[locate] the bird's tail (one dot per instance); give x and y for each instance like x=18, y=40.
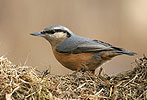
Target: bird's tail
x=123, y=51
x=129, y=53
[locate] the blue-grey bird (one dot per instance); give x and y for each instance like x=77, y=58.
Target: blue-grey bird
x=76, y=52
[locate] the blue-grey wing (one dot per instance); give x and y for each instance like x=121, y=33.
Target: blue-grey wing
x=77, y=44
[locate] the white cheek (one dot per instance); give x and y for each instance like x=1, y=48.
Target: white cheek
x=56, y=38
x=51, y=36
x=58, y=35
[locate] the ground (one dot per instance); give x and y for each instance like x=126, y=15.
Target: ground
x=25, y=82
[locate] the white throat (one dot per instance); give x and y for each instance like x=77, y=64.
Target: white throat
x=55, y=38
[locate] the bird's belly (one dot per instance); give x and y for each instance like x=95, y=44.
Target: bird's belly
x=78, y=61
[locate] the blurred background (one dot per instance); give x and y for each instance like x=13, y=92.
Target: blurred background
x=122, y=23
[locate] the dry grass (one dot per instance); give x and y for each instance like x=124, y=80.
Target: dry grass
x=25, y=83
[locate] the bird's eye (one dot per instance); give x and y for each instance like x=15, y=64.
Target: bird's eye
x=43, y=32
x=51, y=32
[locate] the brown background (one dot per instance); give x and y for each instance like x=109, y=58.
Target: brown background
x=122, y=23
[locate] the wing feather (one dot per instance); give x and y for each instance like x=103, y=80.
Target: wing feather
x=78, y=44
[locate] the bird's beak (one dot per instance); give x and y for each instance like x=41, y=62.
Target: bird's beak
x=36, y=34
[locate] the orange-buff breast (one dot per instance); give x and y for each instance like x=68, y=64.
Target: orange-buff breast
x=74, y=61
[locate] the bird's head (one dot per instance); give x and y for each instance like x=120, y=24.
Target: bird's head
x=54, y=34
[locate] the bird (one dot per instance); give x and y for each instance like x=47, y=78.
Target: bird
x=76, y=52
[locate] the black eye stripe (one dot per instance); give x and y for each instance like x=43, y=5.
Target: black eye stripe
x=50, y=31
x=59, y=30
x=56, y=30
x=43, y=32
x=53, y=31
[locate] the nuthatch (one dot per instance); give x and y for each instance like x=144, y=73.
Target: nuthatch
x=76, y=52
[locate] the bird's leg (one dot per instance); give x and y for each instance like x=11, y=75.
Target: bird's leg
x=108, y=84
x=81, y=69
x=84, y=68
x=93, y=71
